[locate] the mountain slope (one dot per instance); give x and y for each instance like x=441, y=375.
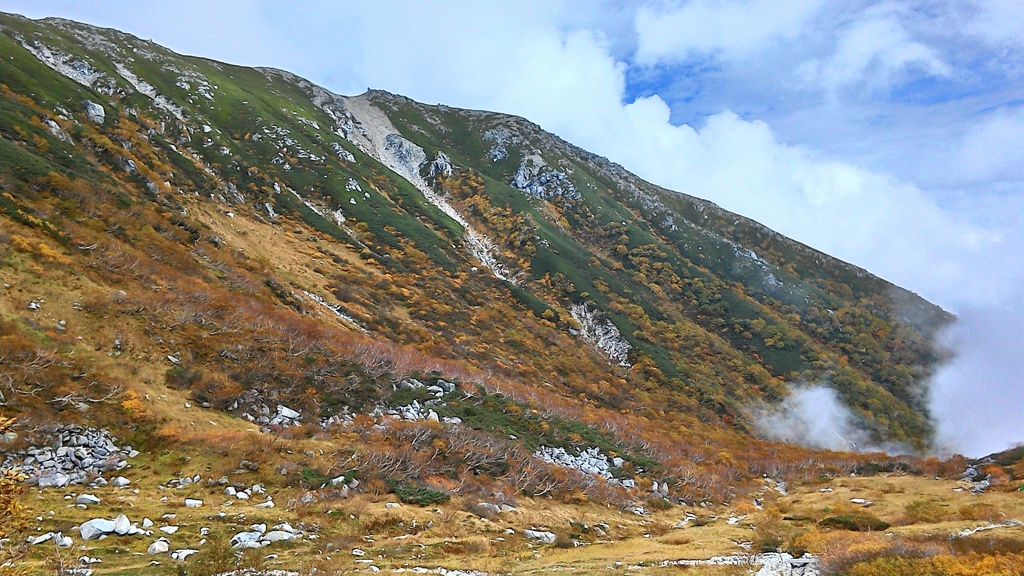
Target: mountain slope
x=250, y=239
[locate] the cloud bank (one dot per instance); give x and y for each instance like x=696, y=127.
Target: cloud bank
x=887, y=133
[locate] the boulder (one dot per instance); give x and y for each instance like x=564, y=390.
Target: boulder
x=54, y=480
x=95, y=528
x=168, y=529
x=120, y=482
x=94, y=112
x=193, y=503
x=34, y=540
x=542, y=537
x=287, y=412
x=488, y=509
x=122, y=525
x=182, y=554
x=277, y=536
x=159, y=547
x=87, y=499
x=239, y=540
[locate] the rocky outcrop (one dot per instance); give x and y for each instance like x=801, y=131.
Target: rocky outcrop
x=69, y=454
x=602, y=333
x=439, y=167
x=535, y=178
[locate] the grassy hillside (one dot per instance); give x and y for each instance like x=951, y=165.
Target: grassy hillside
x=446, y=298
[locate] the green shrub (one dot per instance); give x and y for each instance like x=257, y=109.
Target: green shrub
x=855, y=521
x=313, y=478
x=418, y=494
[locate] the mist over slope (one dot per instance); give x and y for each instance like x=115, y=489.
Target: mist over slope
x=286, y=244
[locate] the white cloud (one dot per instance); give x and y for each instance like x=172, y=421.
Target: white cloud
x=874, y=50
x=993, y=149
x=815, y=417
x=999, y=21
x=734, y=27
x=977, y=402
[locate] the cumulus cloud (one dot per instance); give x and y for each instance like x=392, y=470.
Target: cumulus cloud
x=873, y=49
x=732, y=27
x=993, y=149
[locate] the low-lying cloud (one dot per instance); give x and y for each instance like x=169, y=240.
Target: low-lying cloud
x=815, y=417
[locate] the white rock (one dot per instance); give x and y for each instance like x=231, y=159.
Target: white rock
x=122, y=525
x=120, y=482
x=147, y=523
x=54, y=480
x=95, y=528
x=193, y=503
x=182, y=554
x=94, y=112
x=277, y=536
x=34, y=540
x=159, y=547
x=392, y=505
x=241, y=496
x=168, y=529
x=63, y=541
x=267, y=504
x=540, y=536
x=287, y=412
x=230, y=491
x=358, y=552
x=238, y=540
x=87, y=499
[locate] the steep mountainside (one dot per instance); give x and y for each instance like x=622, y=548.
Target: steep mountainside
x=171, y=223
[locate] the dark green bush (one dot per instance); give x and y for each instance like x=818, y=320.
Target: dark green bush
x=855, y=521
x=418, y=494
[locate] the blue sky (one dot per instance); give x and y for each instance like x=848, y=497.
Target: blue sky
x=887, y=133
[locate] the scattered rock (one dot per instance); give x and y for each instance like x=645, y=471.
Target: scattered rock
x=87, y=499
x=193, y=503
x=34, y=540
x=161, y=546
x=542, y=537
x=95, y=528
x=182, y=554
x=94, y=112
x=277, y=536
x=122, y=525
